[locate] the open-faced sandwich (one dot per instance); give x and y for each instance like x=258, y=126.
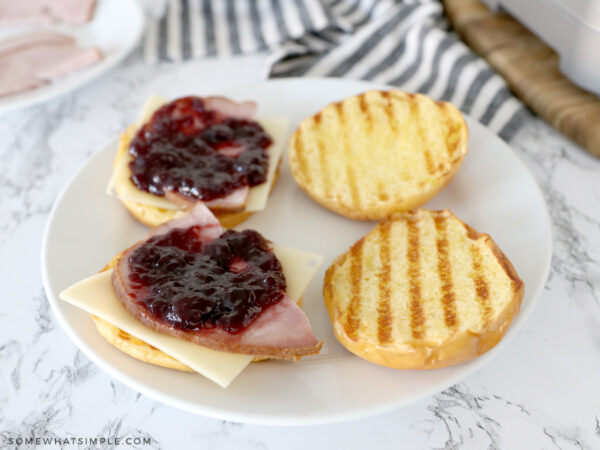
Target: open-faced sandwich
x=197, y=149
x=194, y=296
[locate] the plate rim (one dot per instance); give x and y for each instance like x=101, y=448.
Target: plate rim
x=62, y=87
x=314, y=418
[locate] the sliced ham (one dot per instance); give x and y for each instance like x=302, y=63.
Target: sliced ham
x=29, y=39
x=71, y=61
x=41, y=12
x=281, y=331
x=17, y=79
x=232, y=151
x=244, y=110
x=283, y=325
x=200, y=215
x=235, y=201
x=29, y=61
x=71, y=11
x=238, y=265
x=28, y=12
x=184, y=108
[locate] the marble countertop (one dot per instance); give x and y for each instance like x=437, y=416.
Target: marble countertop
x=542, y=391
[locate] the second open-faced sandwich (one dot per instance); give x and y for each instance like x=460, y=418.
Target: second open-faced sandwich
x=192, y=295
x=197, y=149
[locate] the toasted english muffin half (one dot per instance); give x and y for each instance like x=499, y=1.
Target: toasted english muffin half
x=153, y=216
x=137, y=348
x=422, y=290
x=378, y=153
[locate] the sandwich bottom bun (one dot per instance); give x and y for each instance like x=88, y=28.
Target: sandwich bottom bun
x=153, y=216
x=422, y=290
x=137, y=348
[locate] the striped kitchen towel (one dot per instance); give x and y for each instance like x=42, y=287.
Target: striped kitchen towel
x=404, y=43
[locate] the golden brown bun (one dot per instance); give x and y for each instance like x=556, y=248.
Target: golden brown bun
x=137, y=348
x=378, y=153
x=421, y=291
x=153, y=216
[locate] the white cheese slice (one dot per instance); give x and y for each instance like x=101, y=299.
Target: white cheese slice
x=258, y=195
x=120, y=183
x=299, y=267
x=95, y=295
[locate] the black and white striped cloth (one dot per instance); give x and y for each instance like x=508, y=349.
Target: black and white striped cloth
x=405, y=43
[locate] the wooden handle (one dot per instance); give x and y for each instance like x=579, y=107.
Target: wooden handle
x=530, y=68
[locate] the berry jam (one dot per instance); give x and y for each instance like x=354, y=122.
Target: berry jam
x=186, y=149
x=192, y=286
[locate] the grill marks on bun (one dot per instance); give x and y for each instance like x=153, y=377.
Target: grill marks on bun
x=422, y=290
x=378, y=153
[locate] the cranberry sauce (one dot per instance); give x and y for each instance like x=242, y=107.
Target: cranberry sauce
x=186, y=149
x=192, y=286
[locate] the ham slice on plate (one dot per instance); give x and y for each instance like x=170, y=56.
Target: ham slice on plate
x=71, y=11
x=31, y=60
x=280, y=331
x=183, y=108
x=200, y=216
x=244, y=110
x=232, y=202
x=232, y=151
x=30, y=39
x=68, y=61
x=41, y=12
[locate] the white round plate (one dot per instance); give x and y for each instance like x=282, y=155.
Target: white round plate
x=492, y=191
x=115, y=30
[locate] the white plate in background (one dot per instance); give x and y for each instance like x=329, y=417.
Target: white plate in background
x=492, y=191
x=115, y=29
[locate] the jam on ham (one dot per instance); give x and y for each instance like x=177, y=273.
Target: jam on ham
x=194, y=285
x=195, y=148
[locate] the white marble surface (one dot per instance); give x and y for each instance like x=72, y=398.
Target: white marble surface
x=541, y=392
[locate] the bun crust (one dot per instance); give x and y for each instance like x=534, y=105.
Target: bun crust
x=378, y=153
x=422, y=291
